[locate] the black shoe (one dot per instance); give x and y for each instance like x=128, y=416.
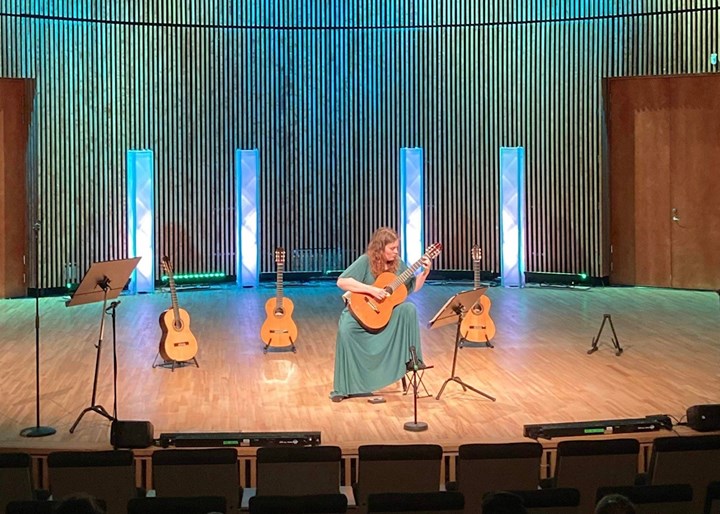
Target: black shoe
x=337, y=398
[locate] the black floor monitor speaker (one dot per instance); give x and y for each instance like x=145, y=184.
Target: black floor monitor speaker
x=131, y=434
x=704, y=418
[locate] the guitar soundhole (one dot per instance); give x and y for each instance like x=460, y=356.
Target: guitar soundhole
x=178, y=325
x=279, y=313
x=477, y=309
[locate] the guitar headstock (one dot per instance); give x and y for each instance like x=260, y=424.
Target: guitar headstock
x=279, y=255
x=166, y=265
x=476, y=253
x=433, y=250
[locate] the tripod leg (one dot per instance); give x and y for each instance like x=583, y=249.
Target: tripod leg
x=596, y=339
x=616, y=342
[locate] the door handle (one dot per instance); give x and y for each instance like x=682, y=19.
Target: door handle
x=675, y=216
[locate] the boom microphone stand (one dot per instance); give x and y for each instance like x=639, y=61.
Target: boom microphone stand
x=37, y=430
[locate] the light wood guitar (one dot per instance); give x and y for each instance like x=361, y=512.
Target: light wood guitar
x=177, y=342
x=373, y=314
x=279, y=329
x=477, y=326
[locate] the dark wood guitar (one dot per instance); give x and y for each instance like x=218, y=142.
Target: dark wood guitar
x=373, y=314
x=177, y=342
x=279, y=329
x=477, y=326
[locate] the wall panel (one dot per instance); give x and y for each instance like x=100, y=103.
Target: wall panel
x=329, y=95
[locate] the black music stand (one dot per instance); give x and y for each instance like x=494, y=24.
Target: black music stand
x=103, y=281
x=454, y=311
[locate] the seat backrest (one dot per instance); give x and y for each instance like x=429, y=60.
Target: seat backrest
x=589, y=465
x=179, y=505
x=692, y=460
x=106, y=475
x=560, y=500
x=303, y=504
x=181, y=473
x=654, y=499
x=410, y=468
x=15, y=478
x=416, y=503
x=712, y=498
x=482, y=468
x=31, y=507
x=294, y=471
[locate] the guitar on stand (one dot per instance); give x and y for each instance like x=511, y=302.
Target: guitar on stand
x=178, y=345
x=477, y=326
x=279, y=329
x=373, y=314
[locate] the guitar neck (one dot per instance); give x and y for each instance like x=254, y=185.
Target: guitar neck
x=279, y=286
x=405, y=275
x=476, y=273
x=173, y=296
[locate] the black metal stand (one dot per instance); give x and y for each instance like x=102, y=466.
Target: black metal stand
x=460, y=310
x=94, y=407
x=414, y=364
x=37, y=430
x=173, y=364
x=103, y=281
x=596, y=339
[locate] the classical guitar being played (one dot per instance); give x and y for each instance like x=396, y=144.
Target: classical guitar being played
x=279, y=329
x=177, y=342
x=373, y=314
x=477, y=326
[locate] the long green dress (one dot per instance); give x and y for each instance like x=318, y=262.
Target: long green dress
x=367, y=361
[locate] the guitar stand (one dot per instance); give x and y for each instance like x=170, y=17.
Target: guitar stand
x=473, y=344
x=290, y=347
x=614, y=338
x=173, y=364
x=411, y=380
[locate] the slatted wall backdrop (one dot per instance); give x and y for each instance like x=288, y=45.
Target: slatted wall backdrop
x=329, y=92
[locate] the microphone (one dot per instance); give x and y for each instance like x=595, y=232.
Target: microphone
x=414, y=358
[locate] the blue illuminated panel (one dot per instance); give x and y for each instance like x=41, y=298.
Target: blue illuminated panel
x=512, y=219
x=141, y=216
x=411, y=203
x=247, y=169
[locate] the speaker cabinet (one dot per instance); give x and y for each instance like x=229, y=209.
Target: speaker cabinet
x=704, y=418
x=131, y=434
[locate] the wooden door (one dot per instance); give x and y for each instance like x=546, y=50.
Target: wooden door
x=15, y=106
x=664, y=141
x=695, y=182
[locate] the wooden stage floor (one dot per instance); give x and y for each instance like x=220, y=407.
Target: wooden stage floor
x=539, y=370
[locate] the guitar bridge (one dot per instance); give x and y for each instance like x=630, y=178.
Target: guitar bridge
x=372, y=305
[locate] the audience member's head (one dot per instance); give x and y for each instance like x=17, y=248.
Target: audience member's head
x=79, y=504
x=614, y=504
x=502, y=502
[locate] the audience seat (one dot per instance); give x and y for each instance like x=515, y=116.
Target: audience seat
x=106, y=475
x=693, y=460
x=410, y=468
x=416, y=503
x=654, y=499
x=181, y=473
x=587, y=465
x=301, y=504
x=495, y=467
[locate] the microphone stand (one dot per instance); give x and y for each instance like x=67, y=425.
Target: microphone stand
x=37, y=430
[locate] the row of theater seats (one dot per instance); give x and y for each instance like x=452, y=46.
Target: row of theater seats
x=680, y=474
